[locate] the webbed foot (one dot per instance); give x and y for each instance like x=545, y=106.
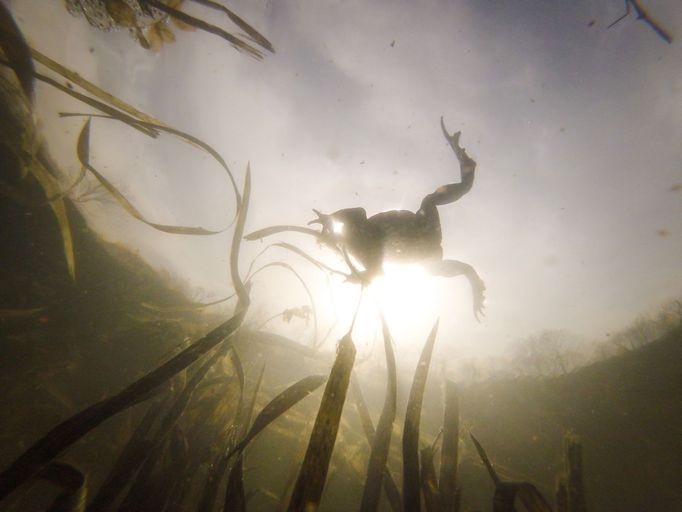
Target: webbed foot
x=452, y=268
x=467, y=163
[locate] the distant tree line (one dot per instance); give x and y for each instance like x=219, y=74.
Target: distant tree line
x=553, y=352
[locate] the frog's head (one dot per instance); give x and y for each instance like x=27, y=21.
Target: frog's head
x=338, y=224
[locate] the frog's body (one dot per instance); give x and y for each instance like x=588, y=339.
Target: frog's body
x=403, y=236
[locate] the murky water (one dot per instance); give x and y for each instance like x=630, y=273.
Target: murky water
x=342, y=255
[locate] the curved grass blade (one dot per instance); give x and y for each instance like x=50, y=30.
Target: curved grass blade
x=81, y=173
x=313, y=474
x=429, y=482
x=312, y=260
x=124, y=203
x=190, y=139
x=278, y=406
x=248, y=411
x=127, y=462
x=411, y=473
x=237, y=283
x=184, y=309
x=235, y=500
x=207, y=27
x=102, y=107
x=68, y=432
x=486, y=461
x=252, y=32
x=280, y=342
x=72, y=480
x=219, y=466
x=239, y=368
x=17, y=51
x=376, y=468
x=156, y=447
x=273, y=230
x=449, y=452
x=392, y=492
x=91, y=88
x=532, y=499
x=59, y=209
x=305, y=287
x=506, y=492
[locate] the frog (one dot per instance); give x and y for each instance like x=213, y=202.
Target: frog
x=403, y=236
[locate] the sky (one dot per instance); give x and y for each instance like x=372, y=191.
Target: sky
x=571, y=221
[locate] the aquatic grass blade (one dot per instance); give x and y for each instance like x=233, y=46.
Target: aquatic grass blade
x=155, y=448
x=381, y=440
x=273, y=410
x=235, y=500
x=447, y=483
x=278, y=406
x=248, y=411
x=71, y=430
x=506, y=492
x=432, y=499
x=207, y=27
x=303, y=284
x=273, y=230
x=74, y=484
x=390, y=487
x=17, y=51
x=411, y=473
x=217, y=470
x=252, y=32
x=486, y=461
x=58, y=207
x=127, y=205
x=91, y=88
x=239, y=369
x=127, y=461
x=190, y=139
x=102, y=107
x=305, y=255
x=307, y=492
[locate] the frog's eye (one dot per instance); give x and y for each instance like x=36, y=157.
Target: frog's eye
x=337, y=227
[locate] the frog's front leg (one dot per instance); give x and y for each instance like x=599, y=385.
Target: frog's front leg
x=452, y=268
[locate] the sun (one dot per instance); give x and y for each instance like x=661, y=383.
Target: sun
x=407, y=296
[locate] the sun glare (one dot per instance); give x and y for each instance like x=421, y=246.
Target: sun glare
x=406, y=294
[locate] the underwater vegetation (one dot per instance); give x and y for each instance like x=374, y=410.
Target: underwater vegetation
x=190, y=424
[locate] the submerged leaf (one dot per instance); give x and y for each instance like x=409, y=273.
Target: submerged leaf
x=447, y=483
x=411, y=473
x=376, y=467
x=59, y=209
x=17, y=51
x=429, y=482
x=72, y=480
x=71, y=430
x=207, y=27
x=313, y=474
x=156, y=447
x=127, y=205
x=303, y=283
x=278, y=406
x=273, y=230
x=486, y=461
x=252, y=32
x=235, y=500
x=190, y=139
x=127, y=462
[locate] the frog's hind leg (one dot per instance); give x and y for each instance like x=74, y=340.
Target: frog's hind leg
x=447, y=194
x=453, y=268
